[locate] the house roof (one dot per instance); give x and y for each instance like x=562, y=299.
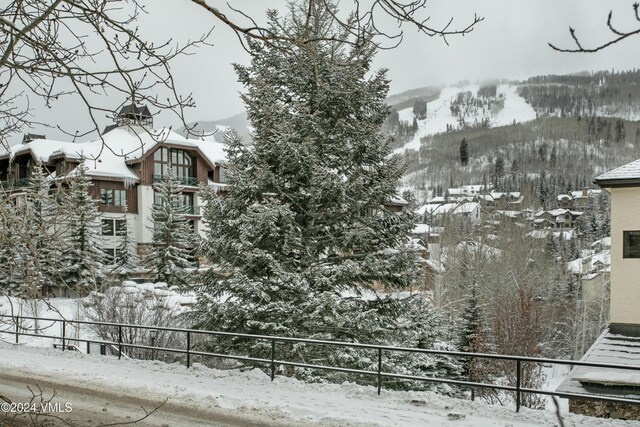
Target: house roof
x=628, y=174
x=110, y=155
x=611, y=348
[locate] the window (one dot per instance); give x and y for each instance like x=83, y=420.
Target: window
x=223, y=175
x=109, y=256
x=114, y=227
x=187, y=201
x=112, y=197
x=631, y=248
x=179, y=161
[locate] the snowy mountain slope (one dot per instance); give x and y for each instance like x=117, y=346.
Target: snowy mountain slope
x=440, y=117
x=515, y=108
x=251, y=394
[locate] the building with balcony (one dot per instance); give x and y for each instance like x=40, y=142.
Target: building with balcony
x=123, y=164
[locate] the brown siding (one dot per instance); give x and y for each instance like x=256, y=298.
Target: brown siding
x=132, y=196
x=144, y=168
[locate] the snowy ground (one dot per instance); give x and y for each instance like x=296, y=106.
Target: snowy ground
x=234, y=395
x=439, y=113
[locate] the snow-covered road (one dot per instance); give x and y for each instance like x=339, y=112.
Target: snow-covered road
x=115, y=389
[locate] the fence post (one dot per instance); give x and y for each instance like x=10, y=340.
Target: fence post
x=88, y=347
x=518, y=380
x=64, y=332
x=379, y=369
x=273, y=356
x=188, y=349
x=119, y=342
x=17, y=328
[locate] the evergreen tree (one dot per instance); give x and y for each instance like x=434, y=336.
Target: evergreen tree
x=43, y=239
x=303, y=235
x=464, y=152
x=173, y=240
x=83, y=256
x=126, y=259
x=474, y=337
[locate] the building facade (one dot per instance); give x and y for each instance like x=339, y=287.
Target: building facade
x=123, y=164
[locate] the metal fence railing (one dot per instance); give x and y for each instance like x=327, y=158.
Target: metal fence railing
x=119, y=346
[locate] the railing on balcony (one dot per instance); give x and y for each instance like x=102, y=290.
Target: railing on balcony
x=190, y=181
x=189, y=209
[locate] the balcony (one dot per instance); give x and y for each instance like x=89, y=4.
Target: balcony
x=190, y=210
x=189, y=181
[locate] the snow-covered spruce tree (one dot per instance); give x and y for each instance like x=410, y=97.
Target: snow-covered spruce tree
x=171, y=256
x=302, y=237
x=83, y=256
x=126, y=261
x=45, y=233
x=31, y=240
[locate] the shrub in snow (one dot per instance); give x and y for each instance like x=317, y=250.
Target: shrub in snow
x=139, y=304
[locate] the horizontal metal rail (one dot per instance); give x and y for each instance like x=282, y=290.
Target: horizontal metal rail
x=272, y=361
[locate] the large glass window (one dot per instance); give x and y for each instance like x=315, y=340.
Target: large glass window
x=114, y=227
x=223, y=175
x=179, y=161
x=110, y=255
x=631, y=244
x=187, y=200
x=113, y=197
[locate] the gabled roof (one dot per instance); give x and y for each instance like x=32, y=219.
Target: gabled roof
x=110, y=155
x=141, y=110
x=628, y=174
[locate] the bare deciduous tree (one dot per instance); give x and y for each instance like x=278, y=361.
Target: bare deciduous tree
x=92, y=48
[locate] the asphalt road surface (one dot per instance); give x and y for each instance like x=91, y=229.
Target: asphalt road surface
x=82, y=407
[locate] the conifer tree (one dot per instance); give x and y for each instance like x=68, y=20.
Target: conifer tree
x=302, y=234
x=83, y=256
x=171, y=257
x=43, y=239
x=464, y=152
x=126, y=259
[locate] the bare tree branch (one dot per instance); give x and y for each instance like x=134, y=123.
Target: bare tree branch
x=620, y=36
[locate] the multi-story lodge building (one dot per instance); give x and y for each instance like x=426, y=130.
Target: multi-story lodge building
x=123, y=164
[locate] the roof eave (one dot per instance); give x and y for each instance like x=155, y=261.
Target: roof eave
x=617, y=182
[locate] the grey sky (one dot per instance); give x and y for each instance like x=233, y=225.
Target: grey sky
x=510, y=43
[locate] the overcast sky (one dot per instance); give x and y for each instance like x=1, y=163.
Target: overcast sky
x=511, y=43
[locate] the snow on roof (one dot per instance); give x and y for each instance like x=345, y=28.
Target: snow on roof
x=466, y=208
x=435, y=265
x=397, y=200
x=625, y=172
x=510, y=214
x=497, y=195
x=558, y=212
x=605, y=242
x=589, y=263
x=564, y=197
x=421, y=229
x=108, y=155
x=608, y=348
x=590, y=193
x=438, y=199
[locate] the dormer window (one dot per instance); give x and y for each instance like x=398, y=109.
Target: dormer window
x=179, y=161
